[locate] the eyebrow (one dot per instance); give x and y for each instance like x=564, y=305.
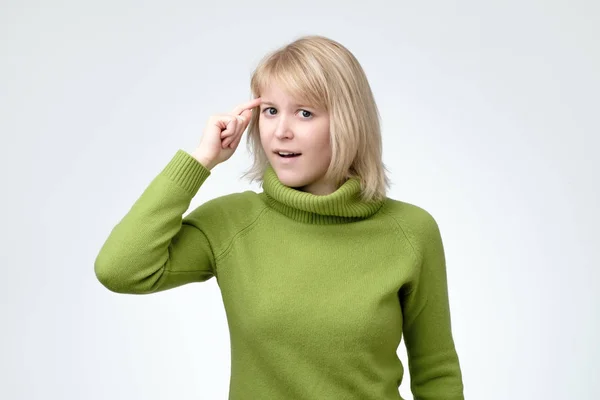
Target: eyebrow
x=295, y=105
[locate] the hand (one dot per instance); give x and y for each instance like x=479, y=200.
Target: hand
x=223, y=134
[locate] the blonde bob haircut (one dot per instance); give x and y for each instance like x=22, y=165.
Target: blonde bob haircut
x=321, y=72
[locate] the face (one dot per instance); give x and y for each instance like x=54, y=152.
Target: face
x=289, y=127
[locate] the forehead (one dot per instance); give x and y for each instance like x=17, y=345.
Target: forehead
x=274, y=94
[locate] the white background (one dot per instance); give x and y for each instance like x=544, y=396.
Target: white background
x=490, y=121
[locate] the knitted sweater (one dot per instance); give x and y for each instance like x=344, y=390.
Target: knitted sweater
x=317, y=290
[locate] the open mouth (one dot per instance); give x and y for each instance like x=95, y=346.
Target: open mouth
x=284, y=154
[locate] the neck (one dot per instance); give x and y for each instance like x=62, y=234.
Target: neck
x=320, y=188
x=344, y=204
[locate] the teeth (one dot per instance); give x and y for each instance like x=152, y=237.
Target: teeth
x=285, y=154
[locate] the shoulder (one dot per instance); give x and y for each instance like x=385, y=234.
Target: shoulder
x=416, y=223
x=222, y=218
x=407, y=213
x=237, y=209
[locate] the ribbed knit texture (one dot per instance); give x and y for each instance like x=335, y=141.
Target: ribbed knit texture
x=318, y=290
x=342, y=206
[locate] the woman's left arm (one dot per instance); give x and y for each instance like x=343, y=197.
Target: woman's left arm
x=433, y=361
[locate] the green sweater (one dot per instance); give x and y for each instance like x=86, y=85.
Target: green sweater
x=317, y=290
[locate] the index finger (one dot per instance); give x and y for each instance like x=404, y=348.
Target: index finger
x=246, y=106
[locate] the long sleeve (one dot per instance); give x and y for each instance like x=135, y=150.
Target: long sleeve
x=433, y=361
x=153, y=248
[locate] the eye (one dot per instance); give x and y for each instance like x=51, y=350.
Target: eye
x=270, y=108
x=306, y=114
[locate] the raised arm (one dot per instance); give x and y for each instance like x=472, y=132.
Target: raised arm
x=153, y=248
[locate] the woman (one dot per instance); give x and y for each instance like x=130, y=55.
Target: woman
x=320, y=273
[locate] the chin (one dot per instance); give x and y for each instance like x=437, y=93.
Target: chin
x=291, y=178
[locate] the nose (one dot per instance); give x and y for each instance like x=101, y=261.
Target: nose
x=283, y=130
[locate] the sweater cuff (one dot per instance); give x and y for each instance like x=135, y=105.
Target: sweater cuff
x=186, y=171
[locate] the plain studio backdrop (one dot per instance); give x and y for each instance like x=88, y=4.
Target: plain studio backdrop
x=490, y=122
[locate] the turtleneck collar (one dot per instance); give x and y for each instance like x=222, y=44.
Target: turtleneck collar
x=342, y=206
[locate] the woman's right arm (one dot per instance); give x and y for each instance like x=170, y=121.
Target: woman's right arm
x=153, y=248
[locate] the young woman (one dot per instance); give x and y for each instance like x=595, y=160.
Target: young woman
x=320, y=273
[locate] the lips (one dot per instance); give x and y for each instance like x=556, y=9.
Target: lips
x=287, y=153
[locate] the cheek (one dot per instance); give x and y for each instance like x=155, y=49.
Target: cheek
x=264, y=128
x=323, y=139
x=262, y=132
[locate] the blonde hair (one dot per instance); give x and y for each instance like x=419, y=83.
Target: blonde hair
x=323, y=73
